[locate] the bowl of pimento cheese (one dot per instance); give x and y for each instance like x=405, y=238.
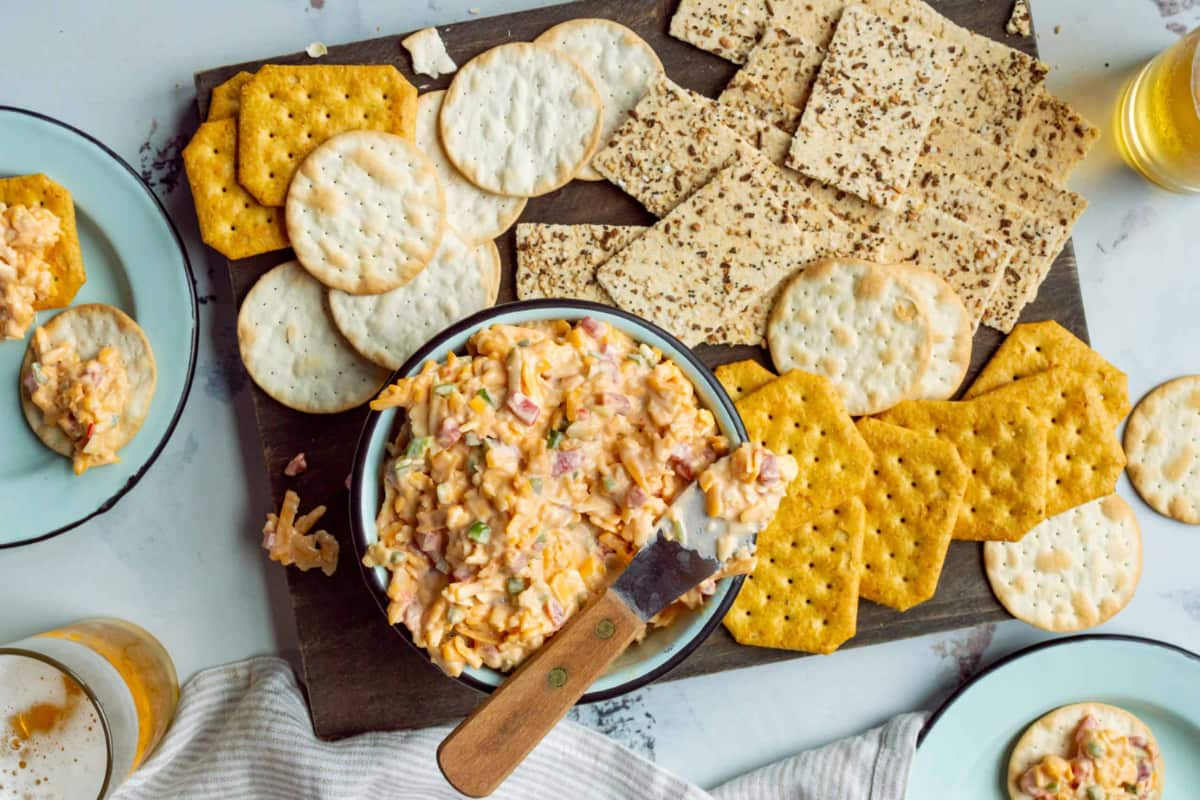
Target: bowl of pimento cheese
x=514, y=465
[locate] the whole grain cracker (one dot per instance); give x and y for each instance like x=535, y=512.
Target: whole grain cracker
x=477, y=214
x=726, y=29
x=621, y=64
x=803, y=593
x=521, y=119
x=226, y=99
x=561, y=260
x=366, y=212
x=1004, y=447
x=952, y=332
x=293, y=350
x=287, y=111
x=801, y=415
x=1034, y=347
x=740, y=378
x=912, y=502
x=1162, y=442
x=65, y=258
x=858, y=324
x=876, y=93
x=1071, y=572
x=1054, y=138
x=231, y=221
x=777, y=78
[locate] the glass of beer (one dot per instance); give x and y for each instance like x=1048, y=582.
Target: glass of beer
x=81, y=707
x=1158, y=119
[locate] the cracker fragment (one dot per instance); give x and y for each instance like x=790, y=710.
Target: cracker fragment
x=1034, y=347
x=1020, y=20
x=777, y=78
x=952, y=335
x=226, y=99
x=428, y=52
x=803, y=593
x=1072, y=572
x=740, y=378
x=65, y=258
x=1162, y=441
x=1004, y=447
x=1054, y=138
x=287, y=111
x=912, y=502
x=232, y=222
x=561, y=260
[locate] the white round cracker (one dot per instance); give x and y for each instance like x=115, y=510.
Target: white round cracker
x=1054, y=734
x=621, y=64
x=857, y=324
x=294, y=352
x=1162, y=445
x=388, y=328
x=495, y=271
x=521, y=119
x=89, y=328
x=365, y=212
x=1072, y=571
x=478, y=215
x=953, y=332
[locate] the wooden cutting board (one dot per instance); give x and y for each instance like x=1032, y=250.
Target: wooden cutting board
x=360, y=674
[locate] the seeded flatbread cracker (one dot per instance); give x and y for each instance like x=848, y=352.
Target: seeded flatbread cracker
x=478, y=215
x=65, y=258
x=877, y=91
x=619, y=62
x=1071, y=572
x=858, y=324
x=89, y=328
x=231, y=221
x=1162, y=442
x=521, y=119
x=293, y=350
x=561, y=260
x=912, y=501
x=1004, y=446
x=777, y=78
x=287, y=111
x=740, y=378
x=1054, y=138
x=952, y=331
x=366, y=212
x=727, y=29
x=1035, y=347
x=388, y=328
x=226, y=99
x=803, y=593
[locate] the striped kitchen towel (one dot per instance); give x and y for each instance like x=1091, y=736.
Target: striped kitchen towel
x=243, y=731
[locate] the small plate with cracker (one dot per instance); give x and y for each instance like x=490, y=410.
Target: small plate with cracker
x=122, y=284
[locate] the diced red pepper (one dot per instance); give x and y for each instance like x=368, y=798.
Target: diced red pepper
x=768, y=472
x=448, y=432
x=523, y=408
x=593, y=327
x=636, y=496
x=566, y=461
x=617, y=402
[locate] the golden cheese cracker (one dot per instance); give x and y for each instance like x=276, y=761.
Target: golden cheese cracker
x=803, y=593
x=740, y=378
x=287, y=111
x=226, y=100
x=1004, y=447
x=912, y=501
x=65, y=258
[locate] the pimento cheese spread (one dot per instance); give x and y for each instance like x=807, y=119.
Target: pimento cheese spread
x=26, y=236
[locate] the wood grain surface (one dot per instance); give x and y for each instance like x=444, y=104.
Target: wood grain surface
x=360, y=674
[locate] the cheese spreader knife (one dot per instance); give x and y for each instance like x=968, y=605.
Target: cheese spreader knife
x=687, y=548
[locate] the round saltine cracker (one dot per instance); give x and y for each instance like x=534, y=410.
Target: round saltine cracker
x=477, y=214
x=859, y=325
x=1072, y=571
x=1054, y=734
x=953, y=332
x=495, y=271
x=89, y=328
x=388, y=328
x=522, y=119
x=294, y=352
x=621, y=64
x=365, y=212
x=1162, y=445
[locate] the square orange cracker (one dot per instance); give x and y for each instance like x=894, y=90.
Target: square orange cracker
x=800, y=414
x=1085, y=457
x=1003, y=446
x=743, y=377
x=286, y=111
x=65, y=258
x=1037, y=346
x=912, y=502
x=226, y=98
x=803, y=594
x=231, y=221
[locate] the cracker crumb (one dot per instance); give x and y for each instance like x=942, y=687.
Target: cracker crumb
x=297, y=466
x=1057, y=29
x=316, y=50
x=1019, y=22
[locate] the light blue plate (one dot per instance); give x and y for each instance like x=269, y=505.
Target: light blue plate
x=134, y=261
x=966, y=746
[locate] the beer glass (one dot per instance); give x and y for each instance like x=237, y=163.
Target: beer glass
x=1158, y=119
x=81, y=707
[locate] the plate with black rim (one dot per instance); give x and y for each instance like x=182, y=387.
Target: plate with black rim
x=135, y=261
x=964, y=749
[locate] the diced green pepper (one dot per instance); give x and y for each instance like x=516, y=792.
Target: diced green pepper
x=445, y=493
x=479, y=532
x=523, y=343
x=487, y=397
x=1095, y=793
x=680, y=533
x=609, y=484
x=553, y=438
x=1095, y=750
x=397, y=557
x=515, y=586
x=635, y=358
x=444, y=389
x=536, y=483
x=455, y=615
x=418, y=447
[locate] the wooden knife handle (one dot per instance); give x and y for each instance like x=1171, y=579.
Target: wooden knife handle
x=488, y=745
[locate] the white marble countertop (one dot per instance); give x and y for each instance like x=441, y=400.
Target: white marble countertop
x=180, y=554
